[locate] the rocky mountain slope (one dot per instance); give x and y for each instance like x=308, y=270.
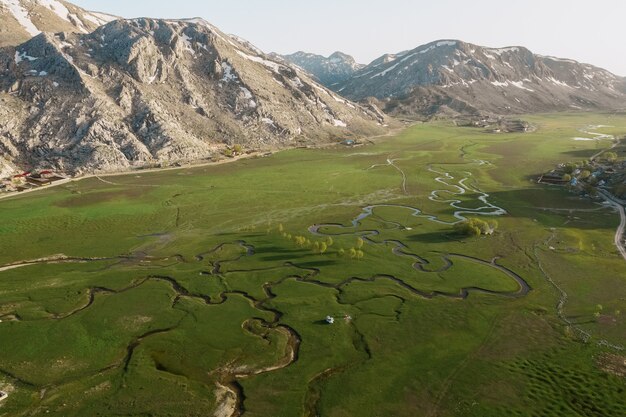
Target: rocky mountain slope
x=141, y=91
x=452, y=77
x=22, y=19
x=330, y=71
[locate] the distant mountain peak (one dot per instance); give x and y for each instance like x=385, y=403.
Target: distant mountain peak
x=500, y=80
x=330, y=70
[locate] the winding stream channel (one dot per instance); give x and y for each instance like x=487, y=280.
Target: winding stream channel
x=228, y=390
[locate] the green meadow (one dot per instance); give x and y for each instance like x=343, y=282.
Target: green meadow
x=205, y=291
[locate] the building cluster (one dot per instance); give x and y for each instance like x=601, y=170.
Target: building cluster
x=610, y=175
x=494, y=124
x=29, y=180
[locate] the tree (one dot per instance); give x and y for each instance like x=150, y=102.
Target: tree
x=569, y=168
x=323, y=247
x=567, y=177
x=281, y=228
x=359, y=243
x=360, y=254
x=329, y=241
x=353, y=253
x=610, y=156
x=341, y=252
x=475, y=227
x=589, y=189
x=584, y=174
x=237, y=148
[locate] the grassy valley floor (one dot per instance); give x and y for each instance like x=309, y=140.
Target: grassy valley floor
x=204, y=291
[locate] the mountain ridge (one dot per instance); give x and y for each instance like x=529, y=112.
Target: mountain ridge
x=450, y=72
x=331, y=70
x=144, y=91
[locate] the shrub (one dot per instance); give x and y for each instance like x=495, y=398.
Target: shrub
x=323, y=247
x=610, y=156
x=475, y=227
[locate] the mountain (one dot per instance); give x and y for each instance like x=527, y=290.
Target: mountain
x=23, y=19
x=450, y=76
x=329, y=71
x=142, y=91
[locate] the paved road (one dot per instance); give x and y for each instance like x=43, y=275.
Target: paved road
x=619, y=233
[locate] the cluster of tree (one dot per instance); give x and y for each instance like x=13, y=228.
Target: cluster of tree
x=582, y=172
x=320, y=247
x=352, y=253
x=570, y=167
x=600, y=308
x=323, y=246
x=233, y=151
x=582, y=175
x=476, y=227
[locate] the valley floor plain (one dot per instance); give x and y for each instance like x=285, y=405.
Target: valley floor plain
x=202, y=291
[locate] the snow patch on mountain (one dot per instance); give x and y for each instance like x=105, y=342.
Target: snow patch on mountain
x=501, y=51
x=388, y=70
x=520, y=84
x=270, y=64
x=21, y=15
x=21, y=56
x=228, y=73
x=437, y=45
x=57, y=7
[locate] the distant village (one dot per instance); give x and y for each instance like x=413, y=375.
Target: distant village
x=30, y=180
x=606, y=172
x=493, y=124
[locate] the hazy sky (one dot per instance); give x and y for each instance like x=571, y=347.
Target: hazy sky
x=592, y=31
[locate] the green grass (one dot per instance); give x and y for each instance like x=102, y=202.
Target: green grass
x=182, y=304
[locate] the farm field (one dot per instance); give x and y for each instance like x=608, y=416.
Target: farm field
x=205, y=291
